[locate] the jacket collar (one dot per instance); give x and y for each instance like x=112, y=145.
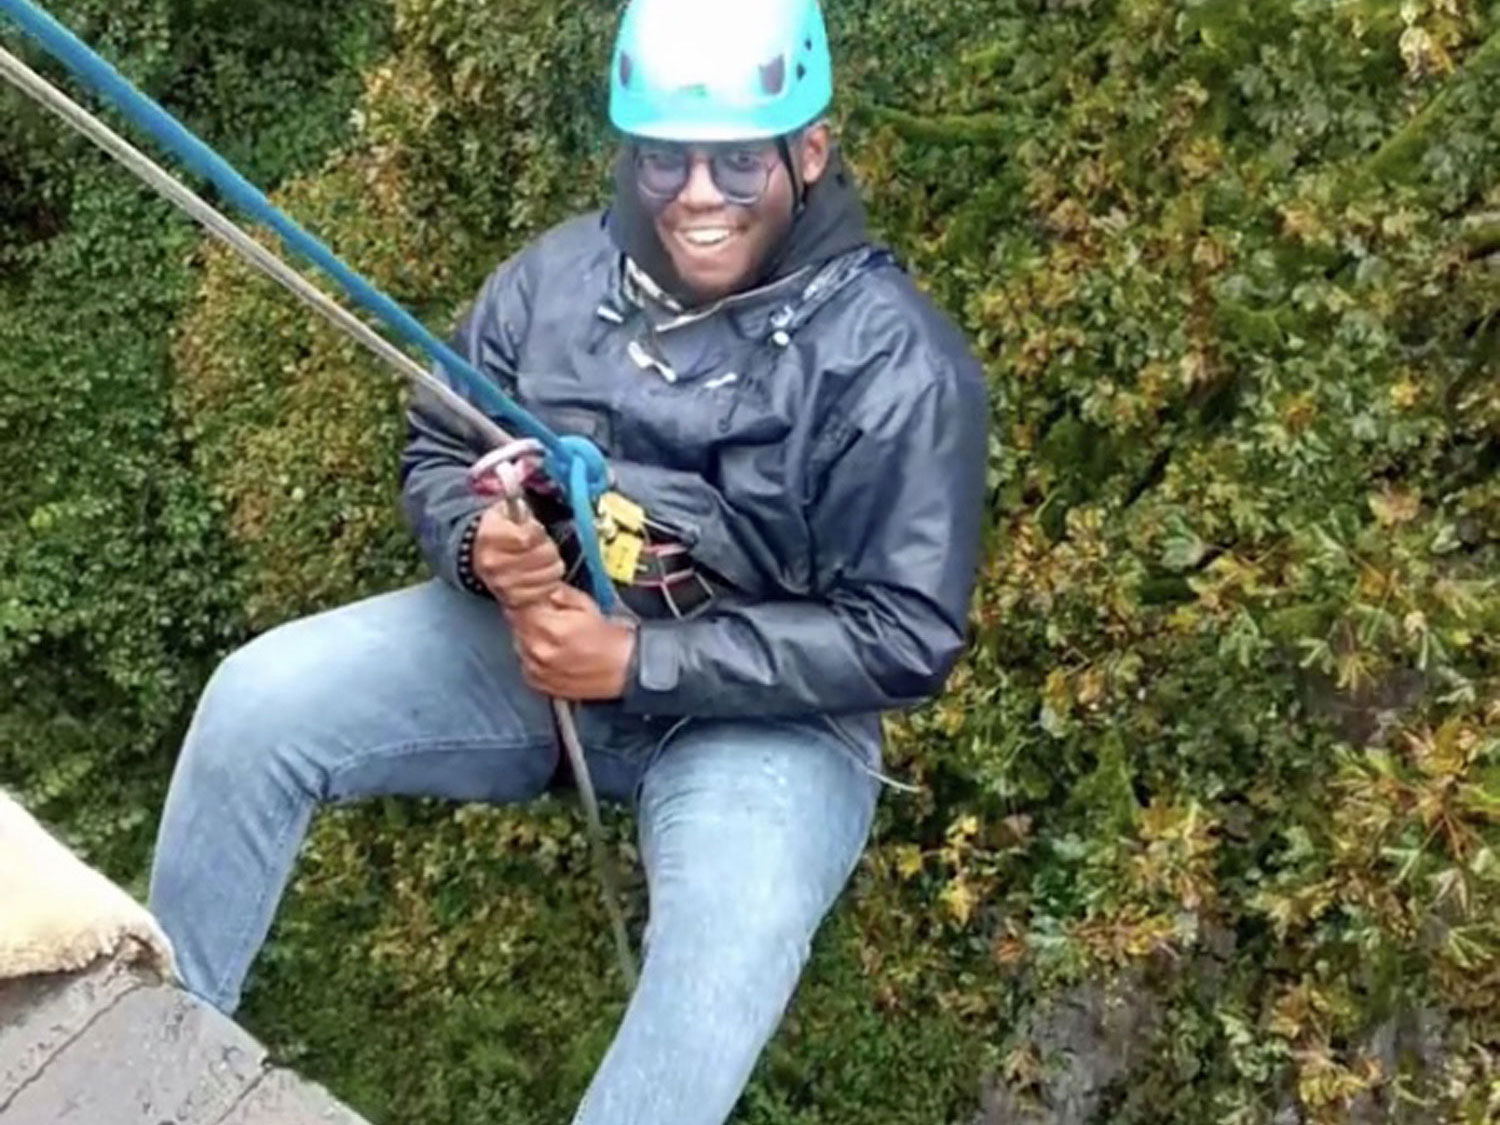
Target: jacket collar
x=748, y=307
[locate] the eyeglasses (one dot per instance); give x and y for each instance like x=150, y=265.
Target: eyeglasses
x=741, y=174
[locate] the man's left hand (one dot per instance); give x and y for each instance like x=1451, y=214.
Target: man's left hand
x=570, y=650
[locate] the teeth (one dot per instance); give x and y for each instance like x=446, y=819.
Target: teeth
x=707, y=236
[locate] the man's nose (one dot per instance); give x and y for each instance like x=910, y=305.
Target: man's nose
x=700, y=191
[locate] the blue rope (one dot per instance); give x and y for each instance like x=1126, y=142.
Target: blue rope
x=574, y=463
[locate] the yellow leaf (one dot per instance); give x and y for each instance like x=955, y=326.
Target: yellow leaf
x=1393, y=507
x=908, y=858
x=965, y=827
x=1091, y=686
x=1302, y=224
x=1194, y=369
x=960, y=898
x=1404, y=395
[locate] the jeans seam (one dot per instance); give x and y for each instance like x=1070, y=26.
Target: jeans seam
x=652, y=758
x=436, y=746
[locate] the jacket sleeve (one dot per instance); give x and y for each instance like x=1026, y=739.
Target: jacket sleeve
x=896, y=531
x=435, y=493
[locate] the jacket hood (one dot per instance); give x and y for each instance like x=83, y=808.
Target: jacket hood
x=832, y=222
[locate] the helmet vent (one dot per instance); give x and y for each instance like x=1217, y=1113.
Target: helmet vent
x=627, y=69
x=773, y=77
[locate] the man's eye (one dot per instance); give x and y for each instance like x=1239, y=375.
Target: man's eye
x=663, y=159
x=742, y=160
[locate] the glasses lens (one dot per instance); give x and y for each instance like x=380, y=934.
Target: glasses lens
x=662, y=172
x=741, y=174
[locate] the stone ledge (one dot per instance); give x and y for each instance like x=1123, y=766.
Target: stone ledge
x=114, y=1046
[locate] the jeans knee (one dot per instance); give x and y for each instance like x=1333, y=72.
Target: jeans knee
x=255, y=697
x=750, y=937
x=770, y=948
x=259, y=678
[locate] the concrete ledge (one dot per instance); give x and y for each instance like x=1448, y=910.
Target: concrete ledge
x=281, y=1098
x=40, y=1016
x=115, y=1046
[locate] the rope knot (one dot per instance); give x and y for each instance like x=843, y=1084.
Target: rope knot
x=574, y=451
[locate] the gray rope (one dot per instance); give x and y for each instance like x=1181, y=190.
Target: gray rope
x=221, y=227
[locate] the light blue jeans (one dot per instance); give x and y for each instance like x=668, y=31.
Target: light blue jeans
x=749, y=830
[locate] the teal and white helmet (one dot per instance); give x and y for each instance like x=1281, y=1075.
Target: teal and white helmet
x=710, y=70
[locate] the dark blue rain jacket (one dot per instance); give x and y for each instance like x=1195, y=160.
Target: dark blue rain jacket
x=819, y=443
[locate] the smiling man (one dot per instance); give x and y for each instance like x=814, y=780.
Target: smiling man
x=808, y=435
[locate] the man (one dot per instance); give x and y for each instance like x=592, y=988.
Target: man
x=807, y=434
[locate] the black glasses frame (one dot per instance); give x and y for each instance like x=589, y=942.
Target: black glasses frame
x=741, y=186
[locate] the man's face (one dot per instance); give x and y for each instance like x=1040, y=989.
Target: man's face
x=734, y=205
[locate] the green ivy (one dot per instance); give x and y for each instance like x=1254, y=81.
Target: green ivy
x=118, y=587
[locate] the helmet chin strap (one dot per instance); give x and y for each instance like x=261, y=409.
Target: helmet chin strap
x=799, y=189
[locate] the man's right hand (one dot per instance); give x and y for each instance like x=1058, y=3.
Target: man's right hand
x=518, y=562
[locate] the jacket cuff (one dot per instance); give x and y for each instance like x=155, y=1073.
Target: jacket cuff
x=654, y=684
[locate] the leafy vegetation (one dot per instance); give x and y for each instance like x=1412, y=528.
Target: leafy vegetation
x=117, y=584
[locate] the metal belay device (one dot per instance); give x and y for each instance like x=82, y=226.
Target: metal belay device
x=574, y=464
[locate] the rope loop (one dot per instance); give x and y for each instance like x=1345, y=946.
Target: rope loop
x=570, y=452
x=581, y=498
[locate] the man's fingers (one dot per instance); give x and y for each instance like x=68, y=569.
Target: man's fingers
x=513, y=574
x=540, y=566
x=517, y=552
x=567, y=597
x=532, y=674
x=527, y=622
x=529, y=535
x=539, y=653
x=538, y=630
x=514, y=544
x=498, y=530
x=516, y=590
x=516, y=598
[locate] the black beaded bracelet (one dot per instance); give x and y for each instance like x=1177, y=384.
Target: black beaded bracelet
x=466, y=576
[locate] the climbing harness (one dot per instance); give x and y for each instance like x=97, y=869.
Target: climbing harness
x=573, y=463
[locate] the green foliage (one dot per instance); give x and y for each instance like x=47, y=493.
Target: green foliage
x=1229, y=732
x=117, y=585
x=1247, y=364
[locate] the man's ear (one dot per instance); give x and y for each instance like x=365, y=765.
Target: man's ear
x=813, y=153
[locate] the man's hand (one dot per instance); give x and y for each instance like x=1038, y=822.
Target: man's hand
x=517, y=561
x=572, y=651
